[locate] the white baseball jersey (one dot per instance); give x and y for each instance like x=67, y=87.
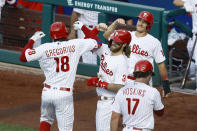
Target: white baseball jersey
x=144, y=48
x=90, y=19
x=59, y=60
x=193, y=5
x=136, y=103
x=87, y=17
x=113, y=69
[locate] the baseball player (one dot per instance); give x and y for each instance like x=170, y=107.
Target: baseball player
x=144, y=46
x=90, y=19
x=190, y=6
x=136, y=102
x=58, y=60
x=112, y=74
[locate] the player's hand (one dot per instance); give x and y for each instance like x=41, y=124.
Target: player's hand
x=103, y=84
x=102, y=27
x=166, y=88
x=37, y=35
x=93, y=81
x=78, y=25
x=120, y=21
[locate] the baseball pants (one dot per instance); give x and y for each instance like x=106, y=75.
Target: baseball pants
x=103, y=115
x=60, y=104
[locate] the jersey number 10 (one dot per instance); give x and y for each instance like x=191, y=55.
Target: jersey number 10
x=64, y=63
x=129, y=105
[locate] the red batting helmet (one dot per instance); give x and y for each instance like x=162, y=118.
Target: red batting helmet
x=58, y=30
x=121, y=36
x=148, y=17
x=143, y=66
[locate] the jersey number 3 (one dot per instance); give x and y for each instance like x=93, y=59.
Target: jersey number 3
x=135, y=106
x=64, y=63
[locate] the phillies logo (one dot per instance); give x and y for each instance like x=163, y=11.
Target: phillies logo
x=137, y=50
x=104, y=66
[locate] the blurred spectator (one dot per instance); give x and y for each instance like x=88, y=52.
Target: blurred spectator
x=2, y=3
x=90, y=19
x=189, y=6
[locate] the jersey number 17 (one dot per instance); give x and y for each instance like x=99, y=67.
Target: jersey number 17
x=63, y=61
x=129, y=100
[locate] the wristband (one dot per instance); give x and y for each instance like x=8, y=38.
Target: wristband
x=166, y=86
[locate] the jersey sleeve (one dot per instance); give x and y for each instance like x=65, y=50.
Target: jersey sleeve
x=102, y=50
x=34, y=54
x=121, y=73
x=116, y=106
x=85, y=45
x=158, y=52
x=157, y=101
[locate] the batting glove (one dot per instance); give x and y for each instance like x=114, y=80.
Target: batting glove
x=103, y=84
x=166, y=86
x=93, y=81
x=38, y=35
x=78, y=25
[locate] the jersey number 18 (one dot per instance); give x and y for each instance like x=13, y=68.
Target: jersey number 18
x=64, y=63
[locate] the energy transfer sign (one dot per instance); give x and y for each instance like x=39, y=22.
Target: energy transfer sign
x=89, y=5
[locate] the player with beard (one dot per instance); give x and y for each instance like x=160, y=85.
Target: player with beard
x=112, y=72
x=144, y=46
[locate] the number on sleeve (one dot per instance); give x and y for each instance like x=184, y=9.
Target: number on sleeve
x=124, y=78
x=32, y=52
x=64, y=63
x=129, y=105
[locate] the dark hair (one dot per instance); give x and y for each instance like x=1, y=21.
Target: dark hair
x=139, y=74
x=127, y=50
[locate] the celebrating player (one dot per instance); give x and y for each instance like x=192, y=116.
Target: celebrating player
x=112, y=73
x=137, y=101
x=58, y=60
x=144, y=46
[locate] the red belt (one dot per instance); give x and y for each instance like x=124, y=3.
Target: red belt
x=61, y=88
x=131, y=77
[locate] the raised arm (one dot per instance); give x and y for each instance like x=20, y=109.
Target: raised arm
x=29, y=45
x=74, y=17
x=113, y=27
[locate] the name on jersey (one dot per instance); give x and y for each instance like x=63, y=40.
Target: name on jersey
x=103, y=66
x=134, y=91
x=137, y=50
x=60, y=51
